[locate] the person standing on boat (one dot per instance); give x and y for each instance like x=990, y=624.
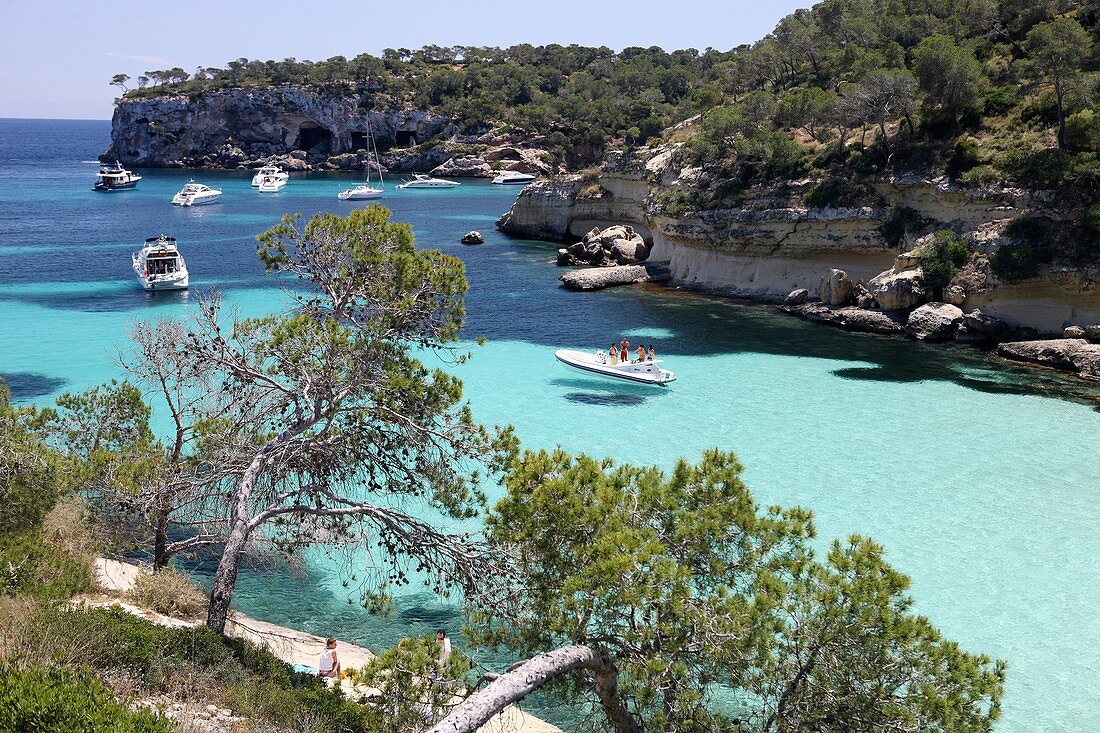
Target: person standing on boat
x=624, y=351
x=651, y=356
x=613, y=354
x=641, y=354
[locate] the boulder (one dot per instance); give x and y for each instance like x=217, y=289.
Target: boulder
x=934, y=322
x=1073, y=355
x=954, y=294
x=967, y=335
x=863, y=296
x=616, y=245
x=977, y=322
x=835, y=288
x=1073, y=332
x=1092, y=333
x=473, y=238
x=898, y=290
x=797, y=297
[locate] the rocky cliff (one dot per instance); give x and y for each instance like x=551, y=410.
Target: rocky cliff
x=304, y=128
x=769, y=242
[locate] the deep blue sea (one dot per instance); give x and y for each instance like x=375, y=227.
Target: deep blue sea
x=981, y=479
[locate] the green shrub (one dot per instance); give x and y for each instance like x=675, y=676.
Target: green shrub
x=902, y=219
x=982, y=176
x=1016, y=261
x=170, y=593
x=1083, y=131
x=1000, y=100
x=941, y=256
x=32, y=566
x=1036, y=169
x=965, y=154
x=63, y=700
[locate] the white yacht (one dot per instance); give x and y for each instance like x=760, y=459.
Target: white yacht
x=272, y=184
x=513, y=178
x=643, y=372
x=419, y=180
x=159, y=265
x=269, y=171
x=115, y=178
x=196, y=194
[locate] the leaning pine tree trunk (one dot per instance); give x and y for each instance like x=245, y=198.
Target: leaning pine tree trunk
x=225, y=578
x=532, y=674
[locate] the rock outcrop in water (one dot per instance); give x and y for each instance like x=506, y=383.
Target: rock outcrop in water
x=769, y=242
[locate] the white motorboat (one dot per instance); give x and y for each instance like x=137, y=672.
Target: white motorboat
x=419, y=180
x=272, y=184
x=115, y=178
x=644, y=372
x=196, y=194
x=159, y=265
x=269, y=171
x=513, y=178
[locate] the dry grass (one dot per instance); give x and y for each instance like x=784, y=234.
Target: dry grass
x=169, y=593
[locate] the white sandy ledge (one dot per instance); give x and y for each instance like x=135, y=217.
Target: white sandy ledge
x=289, y=645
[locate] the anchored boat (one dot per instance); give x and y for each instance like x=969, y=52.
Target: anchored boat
x=159, y=265
x=269, y=171
x=419, y=180
x=115, y=178
x=644, y=372
x=513, y=178
x=196, y=194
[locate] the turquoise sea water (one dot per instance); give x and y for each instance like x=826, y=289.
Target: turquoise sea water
x=980, y=479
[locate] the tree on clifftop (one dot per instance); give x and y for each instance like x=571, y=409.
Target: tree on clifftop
x=119, y=80
x=328, y=425
x=1056, y=50
x=656, y=590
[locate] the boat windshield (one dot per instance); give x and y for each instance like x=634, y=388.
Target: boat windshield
x=162, y=265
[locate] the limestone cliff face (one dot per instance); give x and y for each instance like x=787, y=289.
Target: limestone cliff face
x=230, y=127
x=772, y=243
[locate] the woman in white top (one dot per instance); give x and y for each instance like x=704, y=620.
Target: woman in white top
x=327, y=664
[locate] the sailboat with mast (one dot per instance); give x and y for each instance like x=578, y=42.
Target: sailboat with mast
x=365, y=190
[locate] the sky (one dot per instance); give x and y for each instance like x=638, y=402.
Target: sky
x=57, y=58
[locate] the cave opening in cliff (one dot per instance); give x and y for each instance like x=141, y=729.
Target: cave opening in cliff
x=313, y=139
x=405, y=138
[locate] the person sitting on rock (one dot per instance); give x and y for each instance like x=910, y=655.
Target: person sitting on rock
x=328, y=665
x=614, y=354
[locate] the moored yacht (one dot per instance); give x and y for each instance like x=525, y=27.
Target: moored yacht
x=272, y=184
x=360, y=193
x=639, y=372
x=115, y=178
x=196, y=194
x=419, y=180
x=269, y=171
x=159, y=265
x=365, y=190
x=513, y=178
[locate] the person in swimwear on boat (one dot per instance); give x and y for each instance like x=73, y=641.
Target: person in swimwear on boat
x=651, y=356
x=613, y=354
x=624, y=351
x=641, y=355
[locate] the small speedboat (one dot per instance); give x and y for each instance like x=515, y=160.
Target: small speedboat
x=159, y=265
x=272, y=184
x=419, y=180
x=513, y=178
x=196, y=194
x=269, y=171
x=644, y=372
x=360, y=193
x=115, y=178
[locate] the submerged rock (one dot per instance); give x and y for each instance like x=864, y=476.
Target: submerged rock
x=473, y=237
x=934, y=322
x=1072, y=355
x=977, y=322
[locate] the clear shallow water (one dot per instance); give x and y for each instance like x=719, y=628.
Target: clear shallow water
x=980, y=479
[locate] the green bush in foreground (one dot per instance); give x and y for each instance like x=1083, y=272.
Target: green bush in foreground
x=45, y=700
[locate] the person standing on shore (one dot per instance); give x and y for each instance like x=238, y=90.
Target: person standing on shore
x=328, y=664
x=444, y=647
